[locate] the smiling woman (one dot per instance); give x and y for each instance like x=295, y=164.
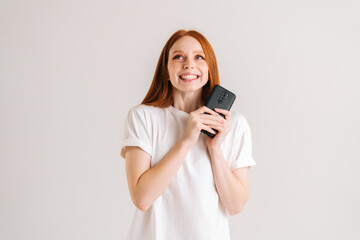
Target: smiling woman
x=182, y=182
x=186, y=52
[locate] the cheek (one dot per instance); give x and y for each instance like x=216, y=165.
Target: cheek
x=173, y=68
x=205, y=67
x=206, y=72
x=171, y=71
x=206, y=78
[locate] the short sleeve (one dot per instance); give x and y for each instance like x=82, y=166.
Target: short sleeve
x=242, y=155
x=136, y=132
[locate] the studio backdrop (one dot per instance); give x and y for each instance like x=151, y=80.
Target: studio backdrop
x=71, y=70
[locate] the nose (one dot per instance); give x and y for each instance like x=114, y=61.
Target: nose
x=188, y=64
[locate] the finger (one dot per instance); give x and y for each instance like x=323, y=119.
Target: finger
x=204, y=109
x=217, y=127
x=211, y=122
x=216, y=118
x=209, y=129
x=223, y=111
x=212, y=113
x=219, y=115
x=216, y=124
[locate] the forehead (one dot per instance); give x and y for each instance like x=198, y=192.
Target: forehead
x=186, y=44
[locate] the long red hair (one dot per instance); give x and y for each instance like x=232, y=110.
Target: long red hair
x=160, y=92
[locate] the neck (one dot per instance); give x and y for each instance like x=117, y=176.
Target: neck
x=187, y=101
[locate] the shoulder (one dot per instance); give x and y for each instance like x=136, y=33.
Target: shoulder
x=145, y=111
x=239, y=121
x=142, y=107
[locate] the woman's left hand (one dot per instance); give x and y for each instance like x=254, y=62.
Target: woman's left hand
x=215, y=142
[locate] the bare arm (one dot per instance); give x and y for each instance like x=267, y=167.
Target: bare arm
x=147, y=184
x=232, y=186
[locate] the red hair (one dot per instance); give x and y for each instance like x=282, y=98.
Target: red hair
x=160, y=92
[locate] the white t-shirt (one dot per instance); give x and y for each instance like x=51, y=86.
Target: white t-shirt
x=190, y=207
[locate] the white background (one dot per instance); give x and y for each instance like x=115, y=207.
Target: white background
x=70, y=71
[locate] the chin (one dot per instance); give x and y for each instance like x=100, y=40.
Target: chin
x=191, y=89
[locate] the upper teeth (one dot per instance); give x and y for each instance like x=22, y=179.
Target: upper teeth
x=188, y=76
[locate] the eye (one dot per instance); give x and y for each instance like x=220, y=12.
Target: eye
x=176, y=57
x=197, y=57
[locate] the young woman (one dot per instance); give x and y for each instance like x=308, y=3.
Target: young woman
x=183, y=182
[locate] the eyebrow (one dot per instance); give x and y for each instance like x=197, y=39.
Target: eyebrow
x=182, y=51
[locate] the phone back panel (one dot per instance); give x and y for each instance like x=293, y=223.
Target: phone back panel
x=219, y=98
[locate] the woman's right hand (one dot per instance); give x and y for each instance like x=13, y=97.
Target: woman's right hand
x=198, y=120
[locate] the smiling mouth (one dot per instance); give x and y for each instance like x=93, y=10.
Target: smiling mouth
x=189, y=78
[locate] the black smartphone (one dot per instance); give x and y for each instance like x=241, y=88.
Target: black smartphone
x=219, y=98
